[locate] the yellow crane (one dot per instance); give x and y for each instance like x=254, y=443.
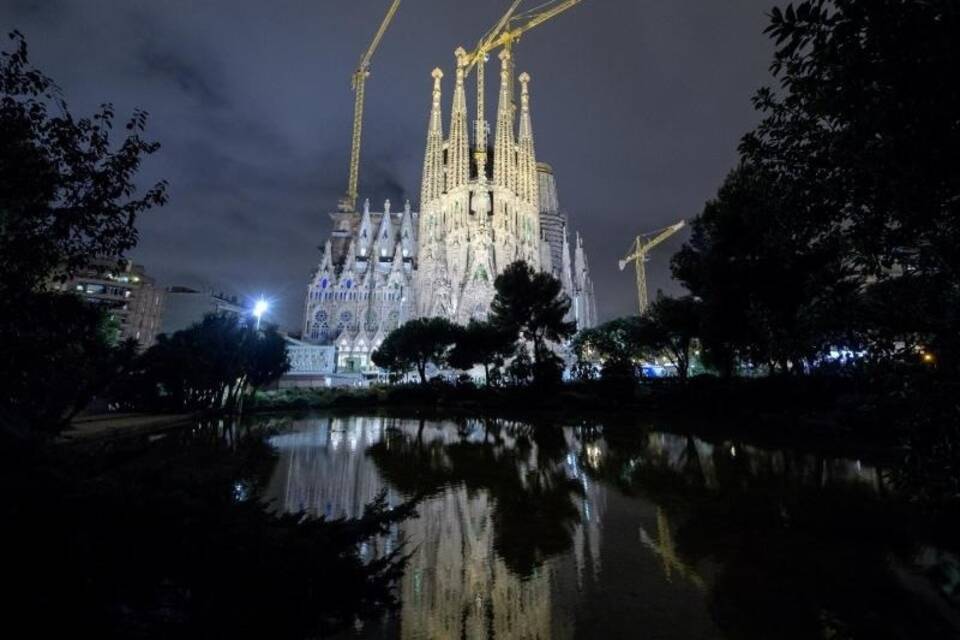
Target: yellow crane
x=349, y=200
x=511, y=27
x=638, y=254
x=508, y=30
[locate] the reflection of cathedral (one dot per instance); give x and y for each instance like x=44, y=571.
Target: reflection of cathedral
x=483, y=206
x=456, y=583
x=484, y=563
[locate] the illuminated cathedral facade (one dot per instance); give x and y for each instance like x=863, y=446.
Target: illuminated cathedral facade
x=482, y=207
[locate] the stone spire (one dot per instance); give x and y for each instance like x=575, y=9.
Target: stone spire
x=432, y=186
x=458, y=153
x=527, y=179
x=504, y=150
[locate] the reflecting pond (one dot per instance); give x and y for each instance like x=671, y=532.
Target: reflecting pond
x=545, y=531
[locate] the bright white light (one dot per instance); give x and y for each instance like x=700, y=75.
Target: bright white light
x=260, y=307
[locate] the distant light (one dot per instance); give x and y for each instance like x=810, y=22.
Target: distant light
x=929, y=358
x=260, y=307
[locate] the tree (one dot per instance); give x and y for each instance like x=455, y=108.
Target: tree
x=532, y=305
x=481, y=343
x=774, y=282
x=416, y=344
x=58, y=353
x=210, y=365
x=864, y=128
x=267, y=358
x=67, y=196
x=673, y=324
x=617, y=345
x=847, y=180
x=867, y=107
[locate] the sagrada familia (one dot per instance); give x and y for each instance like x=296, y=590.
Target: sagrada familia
x=482, y=207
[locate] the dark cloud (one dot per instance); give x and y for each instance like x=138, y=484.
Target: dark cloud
x=182, y=74
x=638, y=105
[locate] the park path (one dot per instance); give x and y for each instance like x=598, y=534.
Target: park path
x=122, y=425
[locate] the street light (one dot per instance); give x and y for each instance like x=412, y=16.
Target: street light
x=260, y=307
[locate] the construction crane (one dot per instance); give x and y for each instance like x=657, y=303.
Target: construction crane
x=349, y=200
x=638, y=254
x=508, y=30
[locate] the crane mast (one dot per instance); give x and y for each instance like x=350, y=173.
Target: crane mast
x=638, y=254
x=349, y=200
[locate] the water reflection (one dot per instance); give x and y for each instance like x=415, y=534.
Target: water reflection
x=508, y=526
x=536, y=531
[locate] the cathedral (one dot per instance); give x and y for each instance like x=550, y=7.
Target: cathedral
x=482, y=207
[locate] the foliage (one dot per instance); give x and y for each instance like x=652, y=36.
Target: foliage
x=668, y=329
x=929, y=472
x=520, y=369
x=481, y=343
x=618, y=345
x=847, y=180
x=58, y=352
x=175, y=539
x=532, y=305
x=867, y=115
x=673, y=325
x=67, y=193
x=67, y=196
x=210, y=365
x=773, y=283
x=416, y=344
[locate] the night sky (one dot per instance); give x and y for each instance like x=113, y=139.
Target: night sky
x=637, y=104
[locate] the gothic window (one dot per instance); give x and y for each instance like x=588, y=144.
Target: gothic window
x=348, y=284
x=372, y=321
x=321, y=317
x=346, y=317
x=324, y=283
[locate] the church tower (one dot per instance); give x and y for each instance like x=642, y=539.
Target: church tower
x=483, y=215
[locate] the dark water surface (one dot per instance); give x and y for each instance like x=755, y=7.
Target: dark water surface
x=544, y=531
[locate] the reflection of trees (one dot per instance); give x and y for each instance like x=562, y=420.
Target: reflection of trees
x=518, y=466
x=800, y=544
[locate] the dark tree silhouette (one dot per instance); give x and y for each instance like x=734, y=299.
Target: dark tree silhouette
x=846, y=184
x=481, y=343
x=210, y=365
x=616, y=345
x=532, y=305
x=672, y=327
x=67, y=192
x=67, y=196
x=416, y=344
x=774, y=281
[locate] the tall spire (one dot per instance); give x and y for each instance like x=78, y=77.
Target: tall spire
x=459, y=149
x=528, y=181
x=432, y=186
x=504, y=150
x=480, y=135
